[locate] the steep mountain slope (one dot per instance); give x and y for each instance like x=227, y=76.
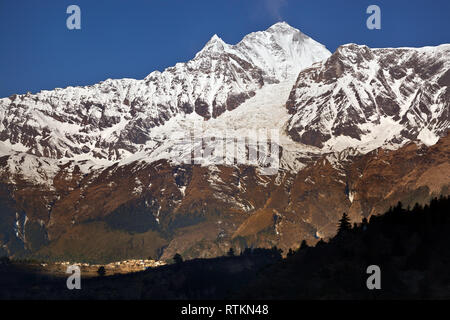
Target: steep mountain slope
x=366, y=98
x=158, y=209
x=102, y=173
x=113, y=119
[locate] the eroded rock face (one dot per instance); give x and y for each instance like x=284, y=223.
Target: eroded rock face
x=159, y=209
x=361, y=94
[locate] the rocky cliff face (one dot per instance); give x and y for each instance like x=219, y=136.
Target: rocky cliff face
x=364, y=97
x=88, y=173
x=158, y=209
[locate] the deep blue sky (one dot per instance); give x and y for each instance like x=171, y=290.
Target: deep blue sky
x=134, y=37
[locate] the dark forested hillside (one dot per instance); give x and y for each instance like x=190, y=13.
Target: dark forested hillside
x=410, y=245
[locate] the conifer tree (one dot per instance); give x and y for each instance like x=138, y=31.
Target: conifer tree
x=344, y=224
x=177, y=258
x=303, y=245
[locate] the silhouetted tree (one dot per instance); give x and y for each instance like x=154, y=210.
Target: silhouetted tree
x=276, y=252
x=290, y=252
x=320, y=243
x=177, y=258
x=344, y=224
x=101, y=271
x=303, y=245
x=231, y=252
x=364, y=223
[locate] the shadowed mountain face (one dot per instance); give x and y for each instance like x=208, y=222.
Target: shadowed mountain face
x=88, y=173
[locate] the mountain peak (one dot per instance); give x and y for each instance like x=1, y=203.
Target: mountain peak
x=215, y=38
x=282, y=26
x=215, y=44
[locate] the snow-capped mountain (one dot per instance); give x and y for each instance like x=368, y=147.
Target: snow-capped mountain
x=94, y=172
x=115, y=118
x=367, y=98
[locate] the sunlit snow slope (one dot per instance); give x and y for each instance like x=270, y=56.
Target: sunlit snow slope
x=124, y=119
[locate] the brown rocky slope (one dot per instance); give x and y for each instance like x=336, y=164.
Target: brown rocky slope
x=141, y=210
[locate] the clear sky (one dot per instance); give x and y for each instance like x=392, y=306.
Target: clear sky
x=134, y=37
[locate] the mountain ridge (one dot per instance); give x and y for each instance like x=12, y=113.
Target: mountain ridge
x=121, y=112
x=95, y=166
